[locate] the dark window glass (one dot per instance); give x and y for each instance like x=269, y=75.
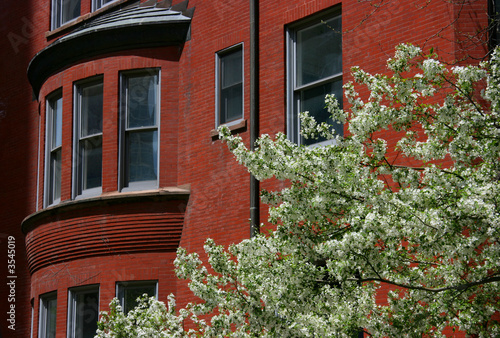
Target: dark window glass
x=230, y=84
x=128, y=292
x=83, y=313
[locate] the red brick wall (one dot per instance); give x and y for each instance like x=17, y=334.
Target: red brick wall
x=104, y=271
x=218, y=205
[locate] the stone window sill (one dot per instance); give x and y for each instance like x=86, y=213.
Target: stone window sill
x=235, y=128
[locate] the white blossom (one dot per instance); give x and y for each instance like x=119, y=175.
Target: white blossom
x=408, y=198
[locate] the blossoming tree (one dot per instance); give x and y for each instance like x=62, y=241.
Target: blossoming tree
x=416, y=214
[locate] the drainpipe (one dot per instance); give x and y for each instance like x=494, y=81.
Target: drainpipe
x=254, y=112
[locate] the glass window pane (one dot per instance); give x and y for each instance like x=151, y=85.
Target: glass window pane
x=231, y=105
x=56, y=13
x=91, y=110
x=142, y=152
x=230, y=86
x=100, y=3
x=319, y=51
x=55, y=175
x=141, y=101
x=128, y=294
x=231, y=67
x=86, y=314
x=56, y=107
x=51, y=318
x=48, y=313
x=91, y=152
x=313, y=101
x=70, y=10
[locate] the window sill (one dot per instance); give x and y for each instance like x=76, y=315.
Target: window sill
x=234, y=128
x=82, y=18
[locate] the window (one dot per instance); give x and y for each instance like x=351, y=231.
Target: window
x=87, y=149
x=53, y=152
x=83, y=312
x=229, y=85
x=96, y=4
x=314, y=67
x=139, y=130
x=47, y=321
x=128, y=292
x=64, y=11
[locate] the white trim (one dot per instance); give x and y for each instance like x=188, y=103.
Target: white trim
x=39, y=162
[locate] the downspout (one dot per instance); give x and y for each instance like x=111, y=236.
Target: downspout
x=254, y=113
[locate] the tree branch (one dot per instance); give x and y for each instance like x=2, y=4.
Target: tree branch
x=460, y=287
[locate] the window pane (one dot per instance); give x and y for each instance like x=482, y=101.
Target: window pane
x=91, y=110
x=313, y=101
x=51, y=318
x=86, y=313
x=56, y=107
x=231, y=103
x=55, y=176
x=91, y=152
x=128, y=294
x=70, y=10
x=141, y=101
x=56, y=13
x=142, y=150
x=231, y=69
x=230, y=82
x=100, y=3
x=319, y=51
x=48, y=317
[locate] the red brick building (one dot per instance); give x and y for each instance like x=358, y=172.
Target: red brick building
x=108, y=110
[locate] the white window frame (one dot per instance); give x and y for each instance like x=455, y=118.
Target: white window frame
x=43, y=315
x=51, y=150
x=293, y=90
x=78, y=191
x=121, y=286
x=218, y=83
x=124, y=131
x=57, y=20
x=73, y=307
x=97, y=4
